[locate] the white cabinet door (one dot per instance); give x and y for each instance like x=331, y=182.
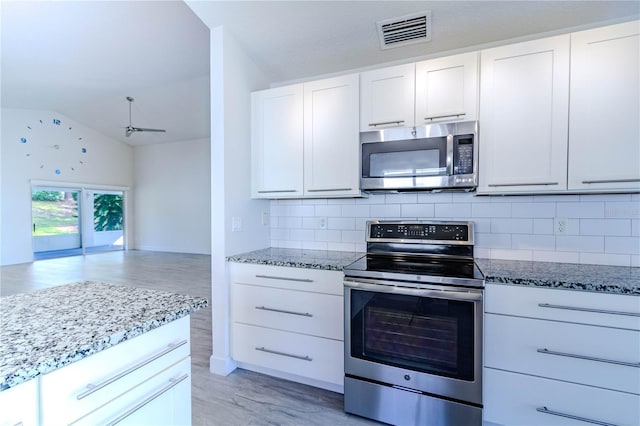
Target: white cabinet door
x=604, y=125
x=19, y=404
x=524, y=94
x=387, y=97
x=331, y=137
x=277, y=142
x=447, y=89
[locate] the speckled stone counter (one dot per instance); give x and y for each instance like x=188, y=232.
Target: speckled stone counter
x=567, y=276
x=297, y=258
x=48, y=329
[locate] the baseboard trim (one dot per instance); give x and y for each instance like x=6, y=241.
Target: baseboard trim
x=221, y=366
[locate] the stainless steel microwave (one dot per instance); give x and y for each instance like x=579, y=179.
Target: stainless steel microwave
x=429, y=157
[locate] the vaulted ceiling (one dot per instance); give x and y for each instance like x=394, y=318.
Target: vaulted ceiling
x=82, y=58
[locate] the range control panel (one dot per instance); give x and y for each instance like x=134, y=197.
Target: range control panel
x=432, y=231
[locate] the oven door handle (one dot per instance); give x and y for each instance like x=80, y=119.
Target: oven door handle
x=471, y=295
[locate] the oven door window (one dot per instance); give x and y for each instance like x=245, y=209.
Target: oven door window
x=430, y=335
x=420, y=157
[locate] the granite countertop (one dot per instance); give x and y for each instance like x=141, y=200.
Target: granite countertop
x=567, y=276
x=48, y=329
x=298, y=258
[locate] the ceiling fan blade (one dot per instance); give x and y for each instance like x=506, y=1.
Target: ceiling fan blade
x=141, y=129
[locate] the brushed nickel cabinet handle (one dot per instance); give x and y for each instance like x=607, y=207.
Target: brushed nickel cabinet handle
x=590, y=358
x=282, y=311
x=271, y=277
x=435, y=117
x=598, y=311
x=172, y=383
x=91, y=388
x=276, y=191
x=523, y=184
x=329, y=189
x=304, y=358
x=545, y=410
x=611, y=181
x=384, y=123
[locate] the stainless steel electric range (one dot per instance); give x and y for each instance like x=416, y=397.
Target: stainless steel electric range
x=413, y=325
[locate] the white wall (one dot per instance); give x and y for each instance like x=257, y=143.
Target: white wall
x=50, y=147
x=233, y=77
x=602, y=229
x=172, y=207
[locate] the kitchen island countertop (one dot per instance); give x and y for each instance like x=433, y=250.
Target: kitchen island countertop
x=45, y=330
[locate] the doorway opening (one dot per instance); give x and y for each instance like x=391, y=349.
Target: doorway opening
x=71, y=222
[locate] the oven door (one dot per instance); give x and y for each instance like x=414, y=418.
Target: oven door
x=426, y=339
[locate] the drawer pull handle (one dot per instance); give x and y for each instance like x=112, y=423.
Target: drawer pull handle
x=304, y=358
x=545, y=410
x=492, y=185
x=282, y=311
x=598, y=311
x=91, y=388
x=172, y=383
x=590, y=358
x=435, y=117
x=384, y=123
x=611, y=181
x=271, y=277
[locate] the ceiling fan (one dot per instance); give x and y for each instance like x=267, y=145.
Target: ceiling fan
x=129, y=130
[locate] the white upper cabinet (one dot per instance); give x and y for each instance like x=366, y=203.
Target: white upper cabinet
x=447, y=89
x=387, y=97
x=524, y=95
x=604, y=123
x=331, y=137
x=277, y=142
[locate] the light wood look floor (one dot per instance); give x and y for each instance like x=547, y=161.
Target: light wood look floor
x=243, y=397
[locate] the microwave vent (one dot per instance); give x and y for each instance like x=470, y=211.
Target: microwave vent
x=405, y=30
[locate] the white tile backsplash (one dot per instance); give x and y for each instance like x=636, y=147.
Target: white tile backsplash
x=602, y=228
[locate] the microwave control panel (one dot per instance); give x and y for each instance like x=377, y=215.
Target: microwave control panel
x=463, y=158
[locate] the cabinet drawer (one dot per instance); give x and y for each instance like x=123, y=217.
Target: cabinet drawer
x=288, y=310
x=313, y=280
x=19, y=404
x=79, y=388
x=513, y=343
x=164, y=399
x=313, y=357
x=513, y=399
x=564, y=305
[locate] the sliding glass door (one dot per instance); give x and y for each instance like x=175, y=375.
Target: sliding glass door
x=56, y=226
x=107, y=221
x=67, y=222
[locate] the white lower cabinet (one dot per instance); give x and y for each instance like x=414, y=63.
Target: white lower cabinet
x=288, y=322
x=556, y=357
x=519, y=399
x=143, y=381
x=19, y=405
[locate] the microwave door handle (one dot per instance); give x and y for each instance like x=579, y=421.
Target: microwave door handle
x=449, y=155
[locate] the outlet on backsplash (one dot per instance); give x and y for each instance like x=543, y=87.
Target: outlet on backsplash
x=321, y=222
x=560, y=225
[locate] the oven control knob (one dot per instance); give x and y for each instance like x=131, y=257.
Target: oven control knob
x=407, y=377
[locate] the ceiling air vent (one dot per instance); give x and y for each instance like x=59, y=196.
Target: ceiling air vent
x=409, y=29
